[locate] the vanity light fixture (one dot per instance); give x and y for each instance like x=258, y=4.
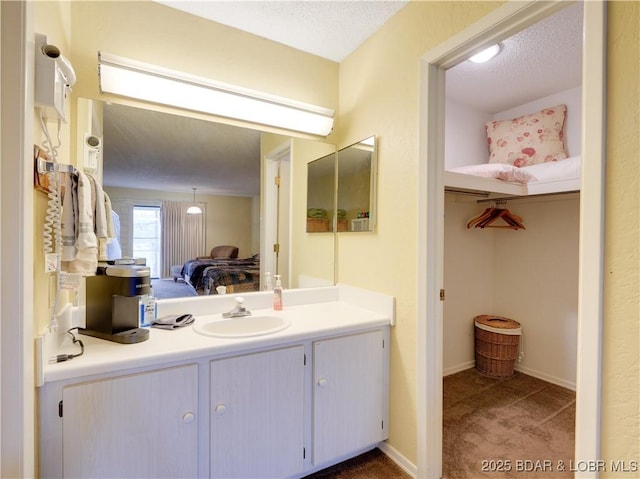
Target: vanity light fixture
x=142, y=81
x=194, y=209
x=486, y=54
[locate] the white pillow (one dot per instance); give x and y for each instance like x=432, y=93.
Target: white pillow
x=501, y=171
x=567, y=169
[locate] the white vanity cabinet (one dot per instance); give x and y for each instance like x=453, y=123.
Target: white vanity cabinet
x=282, y=410
x=133, y=426
x=349, y=394
x=257, y=414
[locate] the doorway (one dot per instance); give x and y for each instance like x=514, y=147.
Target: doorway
x=276, y=231
x=499, y=25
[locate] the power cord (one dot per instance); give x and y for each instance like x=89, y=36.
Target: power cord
x=60, y=358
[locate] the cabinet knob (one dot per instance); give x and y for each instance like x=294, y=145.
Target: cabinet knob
x=322, y=382
x=220, y=408
x=188, y=417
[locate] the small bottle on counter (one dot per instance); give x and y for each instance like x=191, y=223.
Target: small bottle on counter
x=277, y=294
x=148, y=311
x=268, y=286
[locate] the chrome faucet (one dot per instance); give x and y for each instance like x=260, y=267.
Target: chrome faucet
x=239, y=310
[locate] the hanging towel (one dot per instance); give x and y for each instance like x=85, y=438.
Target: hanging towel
x=86, y=236
x=108, y=211
x=86, y=259
x=69, y=215
x=99, y=208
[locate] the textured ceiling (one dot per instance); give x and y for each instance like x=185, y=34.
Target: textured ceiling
x=542, y=59
x=158, y=151
x=330, y=29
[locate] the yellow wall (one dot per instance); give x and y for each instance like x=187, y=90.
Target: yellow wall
x=53, y=20
x=228, y=217
x=313, y=252
x=153, y=33
x=621, y=336
x=378, y=94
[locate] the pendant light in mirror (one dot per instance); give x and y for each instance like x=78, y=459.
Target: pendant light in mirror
x=194, y=209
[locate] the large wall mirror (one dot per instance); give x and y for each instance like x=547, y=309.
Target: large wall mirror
x=341, y=194
x=150, y=157
x=356, y=197
x=321, y=197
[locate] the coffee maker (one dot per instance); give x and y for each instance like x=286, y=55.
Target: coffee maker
x=113, y=303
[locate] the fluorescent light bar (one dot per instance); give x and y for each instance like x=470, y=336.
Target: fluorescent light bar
x=142, y=81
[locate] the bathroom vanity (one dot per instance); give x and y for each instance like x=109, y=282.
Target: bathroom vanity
x=183, y=404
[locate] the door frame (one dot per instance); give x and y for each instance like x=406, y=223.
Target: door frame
x=270, y=204
x=499, y=24
x=17, y=417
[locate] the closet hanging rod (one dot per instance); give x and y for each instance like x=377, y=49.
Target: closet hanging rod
x=514, y=198
x=466, y=192
x=45, y=166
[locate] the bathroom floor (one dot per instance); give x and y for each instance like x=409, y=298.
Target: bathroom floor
x=370, y=465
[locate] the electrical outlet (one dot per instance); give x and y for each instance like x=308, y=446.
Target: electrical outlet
x=50, y=262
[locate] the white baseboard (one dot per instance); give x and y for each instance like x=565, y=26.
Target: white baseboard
x=546, y=377
x=403, y=463
x=528, y=371
x=460, y=367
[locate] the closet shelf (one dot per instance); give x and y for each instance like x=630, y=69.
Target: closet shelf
x=491, y=187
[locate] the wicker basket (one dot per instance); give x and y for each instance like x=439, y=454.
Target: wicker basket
x=497, y=341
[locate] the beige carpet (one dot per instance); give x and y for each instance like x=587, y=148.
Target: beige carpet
x=506, y=428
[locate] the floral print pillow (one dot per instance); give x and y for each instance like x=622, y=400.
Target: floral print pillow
x=529, y=139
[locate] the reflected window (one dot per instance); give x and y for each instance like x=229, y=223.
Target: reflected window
x=147, y=236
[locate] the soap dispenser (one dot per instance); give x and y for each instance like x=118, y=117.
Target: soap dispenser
x=277, y=294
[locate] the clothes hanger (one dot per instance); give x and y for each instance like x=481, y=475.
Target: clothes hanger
x=480, y=218
x=494, y=213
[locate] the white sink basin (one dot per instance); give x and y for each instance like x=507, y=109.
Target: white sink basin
x=241, y=327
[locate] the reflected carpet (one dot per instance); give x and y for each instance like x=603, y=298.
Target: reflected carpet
x=167, y=288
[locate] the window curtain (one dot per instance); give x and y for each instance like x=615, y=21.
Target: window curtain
x=183, y=235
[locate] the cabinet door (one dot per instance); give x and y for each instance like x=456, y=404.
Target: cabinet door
x=348, y=395
x=257, y=414
x=138, y=426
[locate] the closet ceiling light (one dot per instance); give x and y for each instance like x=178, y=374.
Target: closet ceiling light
x=142, y=81
x=486, y=54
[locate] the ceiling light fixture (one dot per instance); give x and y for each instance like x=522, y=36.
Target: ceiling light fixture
x=486, y=54
x=194, y=209
x=142, y=81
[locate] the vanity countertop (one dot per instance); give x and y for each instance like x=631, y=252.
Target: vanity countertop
x=308, y=321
